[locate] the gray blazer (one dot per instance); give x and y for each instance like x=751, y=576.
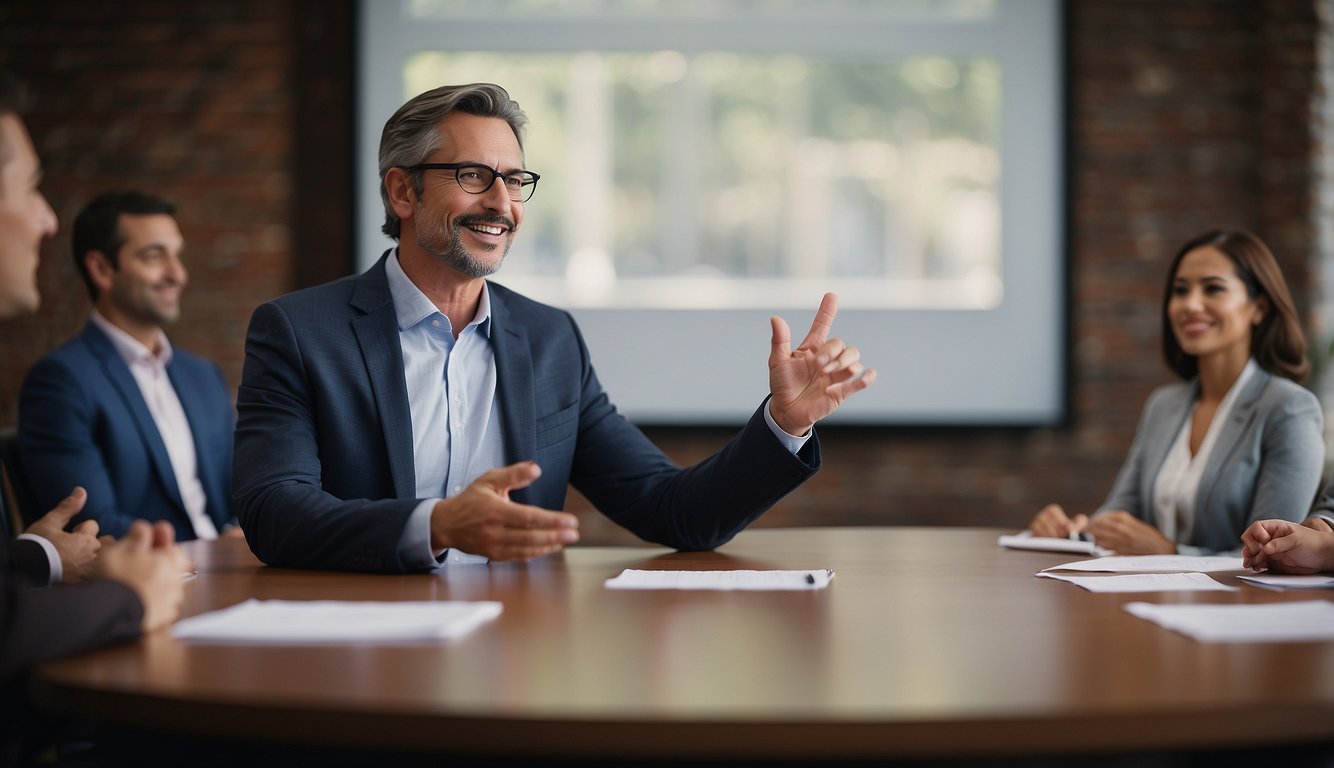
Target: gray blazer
x=1266, y=462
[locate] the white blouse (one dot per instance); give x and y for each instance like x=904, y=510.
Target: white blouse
x=1178, y=481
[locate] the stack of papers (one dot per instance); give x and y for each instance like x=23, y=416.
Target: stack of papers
x=1144, y=582
x=1285, y=581
x=721, y=580
x=1153, y=564
x=336, y=621
x=1027, y=540
x=1309, y=621
x=1147, y=573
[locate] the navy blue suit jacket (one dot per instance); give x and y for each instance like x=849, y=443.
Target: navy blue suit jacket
x=83, y=421
x=324, y=466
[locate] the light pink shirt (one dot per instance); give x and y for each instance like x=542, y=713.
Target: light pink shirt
x=150, y=373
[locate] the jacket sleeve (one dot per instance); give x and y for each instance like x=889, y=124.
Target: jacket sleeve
x=1292, y=451
x=28, y=562
x=57, y=424
x=1125, y=493
x=700, y=507
x=41, y=624
x=278, y=493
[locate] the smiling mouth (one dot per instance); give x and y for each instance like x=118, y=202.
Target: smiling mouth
x=487, y=229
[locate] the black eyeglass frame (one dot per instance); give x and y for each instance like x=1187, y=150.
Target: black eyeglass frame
x=457, y=167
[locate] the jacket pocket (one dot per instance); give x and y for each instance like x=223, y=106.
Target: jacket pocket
x=558, y=426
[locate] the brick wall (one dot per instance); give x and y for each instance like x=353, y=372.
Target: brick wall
x=191, y=101
x=1184, y=115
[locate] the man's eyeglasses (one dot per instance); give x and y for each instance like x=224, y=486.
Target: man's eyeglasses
x=475, y=178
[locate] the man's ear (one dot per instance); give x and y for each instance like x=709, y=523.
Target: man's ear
x=402, y=195
x=100, y=270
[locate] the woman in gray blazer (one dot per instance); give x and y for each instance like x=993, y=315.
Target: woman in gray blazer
x=1238, y=439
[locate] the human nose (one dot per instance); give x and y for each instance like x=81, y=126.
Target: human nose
x=49, y=222
x=1189, y=300
x=497, y=196
x=176, y=270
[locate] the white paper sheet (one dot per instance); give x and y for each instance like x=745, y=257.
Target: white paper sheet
x=1026, y=540
x=1153, y=564
x=336, y=621
x=1143, y=582
x=721, y=580
x=1285, y=581
x=1307, y=621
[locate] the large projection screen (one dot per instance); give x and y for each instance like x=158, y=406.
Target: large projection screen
x=706, y=165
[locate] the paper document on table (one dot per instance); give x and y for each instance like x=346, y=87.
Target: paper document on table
x=722, y=580
x=336, y=621
x=1026, y=540
x=1143, y=582
x=1153, y=564
x=1287, y=581
x=1308, y=621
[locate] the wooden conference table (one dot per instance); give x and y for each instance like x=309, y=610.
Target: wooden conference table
x=929, y=642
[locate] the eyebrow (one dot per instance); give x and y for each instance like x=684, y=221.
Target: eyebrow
x=484, y=165
x=156, y=246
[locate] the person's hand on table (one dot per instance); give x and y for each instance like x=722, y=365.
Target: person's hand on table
x=148, y=561
x=1052, y=521
x=1125, y=534
x=1280, y=546
x=482, y=520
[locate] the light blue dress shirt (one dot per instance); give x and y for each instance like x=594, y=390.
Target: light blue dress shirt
x=456, y=431
x=451, y=383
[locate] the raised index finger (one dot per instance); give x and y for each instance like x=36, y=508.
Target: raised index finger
x=822, y=324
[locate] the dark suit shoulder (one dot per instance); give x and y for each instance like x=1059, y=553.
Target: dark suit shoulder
x=317, y=299
x=514, y=308
x=188, y=358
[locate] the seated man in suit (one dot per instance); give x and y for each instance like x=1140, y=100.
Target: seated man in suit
x=136, y=582
x=388, y=418
x=145, y=427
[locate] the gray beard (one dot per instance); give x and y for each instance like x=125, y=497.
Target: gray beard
x=456, y=257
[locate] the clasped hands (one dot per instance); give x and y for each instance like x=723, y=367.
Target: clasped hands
x=146, y=559
x=1284, y=547
x=806, y=384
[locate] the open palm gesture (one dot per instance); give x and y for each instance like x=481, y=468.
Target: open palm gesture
x=810, y=382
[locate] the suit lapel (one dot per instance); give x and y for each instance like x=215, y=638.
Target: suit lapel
x=193, y=404
x=514, y=384
x=1230, y=434
x=376, y=330
x=127, y=389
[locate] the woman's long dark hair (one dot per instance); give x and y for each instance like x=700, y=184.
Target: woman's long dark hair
x=1277, y=343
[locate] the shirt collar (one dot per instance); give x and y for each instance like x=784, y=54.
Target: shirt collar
x=130, y=349
x=411, y=305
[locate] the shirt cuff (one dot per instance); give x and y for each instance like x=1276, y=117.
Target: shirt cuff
x=52, y=556
x=414, y=547
x=792, y=443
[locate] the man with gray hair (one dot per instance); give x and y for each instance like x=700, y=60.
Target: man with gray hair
x=418, y=413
